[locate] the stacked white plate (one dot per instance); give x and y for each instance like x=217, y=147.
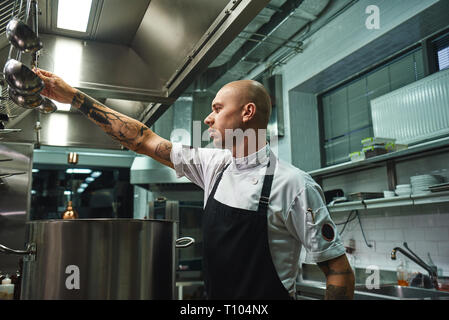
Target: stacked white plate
x=403, y=190
x=420, y=184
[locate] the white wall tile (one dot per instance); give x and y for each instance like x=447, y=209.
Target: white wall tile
x=384, y=223
x=443, y=218
x=423, y=220
x=378, y=235
x=437, y=234
x=414, y=234
x=394, y=234
x=443, y=249
x=402, y=222
x=424, y=247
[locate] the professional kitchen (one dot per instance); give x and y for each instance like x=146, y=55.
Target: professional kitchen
x=224, y=150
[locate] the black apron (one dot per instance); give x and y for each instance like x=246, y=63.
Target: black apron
x=237, y=262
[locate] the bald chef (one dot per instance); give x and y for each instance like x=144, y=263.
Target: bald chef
x=259, y=211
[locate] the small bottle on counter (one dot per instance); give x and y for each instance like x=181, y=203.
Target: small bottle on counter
x=402, y=274
x=6, y=289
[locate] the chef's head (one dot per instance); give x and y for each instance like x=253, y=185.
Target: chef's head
x=240, y=110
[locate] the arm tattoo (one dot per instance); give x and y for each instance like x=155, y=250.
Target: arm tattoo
x=163, y=150
x=331, y=272
x=125, y=130
x=334, y=292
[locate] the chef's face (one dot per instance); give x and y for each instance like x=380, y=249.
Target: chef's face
x=226, y=114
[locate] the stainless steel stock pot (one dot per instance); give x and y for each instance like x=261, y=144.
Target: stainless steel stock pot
x=99, y=259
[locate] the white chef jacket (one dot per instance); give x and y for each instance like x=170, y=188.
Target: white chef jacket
x=293, y=191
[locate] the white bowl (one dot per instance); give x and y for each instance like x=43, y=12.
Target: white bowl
x=389, y=194
x=403, y=192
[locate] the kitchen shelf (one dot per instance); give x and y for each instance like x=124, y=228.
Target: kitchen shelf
x=342, y=168
x=347, y=206
x=432, y=198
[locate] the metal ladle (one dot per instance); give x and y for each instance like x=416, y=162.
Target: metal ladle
x=22, y=36
x=47, y=106
x=21, y=78
x=25, y=101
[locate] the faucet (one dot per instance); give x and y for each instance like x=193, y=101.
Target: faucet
x=412, y=256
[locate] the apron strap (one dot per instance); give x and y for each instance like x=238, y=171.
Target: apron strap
x=266, y=188
x=267, y=183
x=212, y=194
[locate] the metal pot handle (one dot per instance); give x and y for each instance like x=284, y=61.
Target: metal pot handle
x=188, y=242
x=30, y=250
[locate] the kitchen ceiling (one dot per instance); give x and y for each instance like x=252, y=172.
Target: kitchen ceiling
x=147, y=51
x=150, y=55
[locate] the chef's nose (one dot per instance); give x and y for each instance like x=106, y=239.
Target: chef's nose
x=209, y=120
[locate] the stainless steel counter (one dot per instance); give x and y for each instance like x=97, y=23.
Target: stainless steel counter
x=315, y=290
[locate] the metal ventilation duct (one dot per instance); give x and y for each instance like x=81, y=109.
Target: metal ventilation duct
x=174, y=42
x=275, y=27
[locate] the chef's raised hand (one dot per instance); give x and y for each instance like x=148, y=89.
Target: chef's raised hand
x=55, y=88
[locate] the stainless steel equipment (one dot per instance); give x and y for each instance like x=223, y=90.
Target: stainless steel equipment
x=25, y=101
x=47, y=106
x=16, y=160
x=146, y=58
x=100, y=259
x=22, y=36
x=21, y=78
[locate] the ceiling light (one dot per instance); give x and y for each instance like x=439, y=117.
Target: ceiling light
x=73, y=15
x=80, y=190
x=89, y=179
x=80, y=171
x=96, y=174
x=35, y=170
x=67, y=192
x=83, y=185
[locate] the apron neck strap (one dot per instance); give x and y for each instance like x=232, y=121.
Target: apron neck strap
x=212, y=194
x=267, y=183
x=266, y=188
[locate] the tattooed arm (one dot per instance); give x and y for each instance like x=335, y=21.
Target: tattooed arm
x=339, y=278
x=129, y=132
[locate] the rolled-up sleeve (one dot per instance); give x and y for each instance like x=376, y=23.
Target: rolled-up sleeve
x=199, y=165
x=311, y=223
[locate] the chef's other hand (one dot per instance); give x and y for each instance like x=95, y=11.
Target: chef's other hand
x=55, y=88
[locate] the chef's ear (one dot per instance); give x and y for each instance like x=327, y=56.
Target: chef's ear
x=248, y=111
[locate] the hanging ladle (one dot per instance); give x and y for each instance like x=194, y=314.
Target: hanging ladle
x=19, y=33
x=47, y=106
x=22, y=36
x=21, y=78
x=25, y=101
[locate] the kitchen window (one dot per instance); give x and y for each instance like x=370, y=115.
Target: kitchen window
x=346, y=109
x=441, y=49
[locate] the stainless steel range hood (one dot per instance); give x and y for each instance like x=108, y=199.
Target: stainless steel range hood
x=175, y=41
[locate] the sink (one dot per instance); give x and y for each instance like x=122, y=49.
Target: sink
x=392, y=291
x=317, y=290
